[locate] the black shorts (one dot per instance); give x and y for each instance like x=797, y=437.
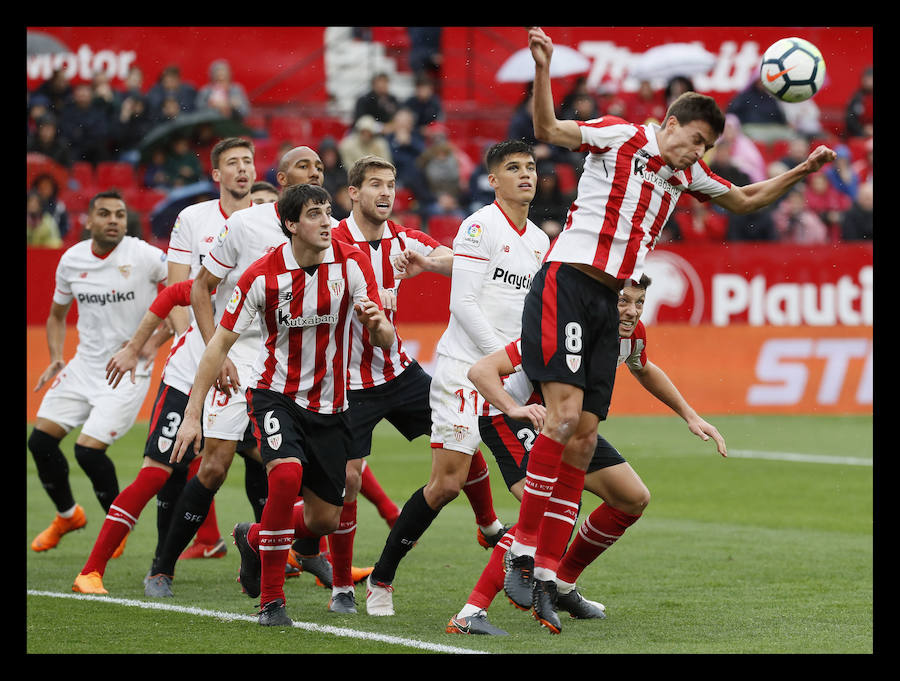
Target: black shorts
x=402, y=401
x=167, y=414
x=320, y=441
x=510, y=441
x=570, y=334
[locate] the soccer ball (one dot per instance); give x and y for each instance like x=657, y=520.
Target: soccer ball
x=792, y=69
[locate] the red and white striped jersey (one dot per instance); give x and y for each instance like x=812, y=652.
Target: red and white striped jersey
x=304, y=318
x=632, y=351
x=626, y=194
x=371, y=365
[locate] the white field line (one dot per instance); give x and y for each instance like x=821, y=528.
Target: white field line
x=800, y=458
x=230, y=616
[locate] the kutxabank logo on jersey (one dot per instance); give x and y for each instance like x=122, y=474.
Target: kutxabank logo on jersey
x=284, y=319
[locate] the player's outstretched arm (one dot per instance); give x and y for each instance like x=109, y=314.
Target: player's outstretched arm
x=190, y=432
x=753, y=197
x=410, y=263
x=658, y=384
x=56, y=336
x=547, y=127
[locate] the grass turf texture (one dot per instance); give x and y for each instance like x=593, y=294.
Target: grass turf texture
x=737, y=555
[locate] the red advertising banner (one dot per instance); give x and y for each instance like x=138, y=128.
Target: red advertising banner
x=287, y=65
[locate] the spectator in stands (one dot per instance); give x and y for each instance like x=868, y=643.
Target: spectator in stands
x=480, y=192
x=699, y=222
x=46, y=140
x=760, y=114
x=797, y=151
x=521, y=127
x=744, y=153
x=407, y=145
x=363, y=139
x=825, y=200
x=334, y=175
x=182, y=166
x=378, y=102
x=859, y=117
x=170, y=86
x=550, y=203
x=795, y=223
x=85, y=126
x=57, y=90
x=38, y=107
x=425, y=53
x=155, y=176
x=425, y=104
x=134, y=83
x=105, y=98
x=804, y=118
x=675, y=87
x=578, y=103
x=42, y=227
x=45, y=187
x=858, y=222
x=440, y=167
x=222, y=94
x=841, y=174
x=647, y=104
x=864, y=166
x=130, y=126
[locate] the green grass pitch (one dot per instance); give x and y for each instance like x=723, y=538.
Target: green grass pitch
x=746, y=555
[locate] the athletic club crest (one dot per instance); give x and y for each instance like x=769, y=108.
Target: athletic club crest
x=336, y=286
x=274, y=440
x=574, y=362
x=163, y=444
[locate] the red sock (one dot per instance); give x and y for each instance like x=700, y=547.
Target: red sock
x=299, y=523
x=543, y=468
x=598, y=532
x=123, y=514
x=341, y=543
x=209, y=530
x=560, y=517
x=491, y=580
x=478, y=490
x=276, y=532
x=372, y=490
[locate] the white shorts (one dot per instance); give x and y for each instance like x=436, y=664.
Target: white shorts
x=225, y=416
x=455, y=407
x=80, y=396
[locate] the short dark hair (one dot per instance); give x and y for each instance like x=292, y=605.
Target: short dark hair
x=294, y=198
x=357, y=174
x=263, y=186
x=229, y=143
x=108, y=194
x=643, y=283
x=692, y=106
x=494, y=156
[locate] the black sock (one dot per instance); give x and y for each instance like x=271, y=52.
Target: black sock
x=101, y=471
x=52, y=469
x=187, y=517
x=166, y=499
x=256, y=485
x=415, y=517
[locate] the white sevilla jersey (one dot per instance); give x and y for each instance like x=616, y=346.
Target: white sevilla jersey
x=195, y=232
x=247, y=235
x=632, y=351
x=488, y=244
x=303, y=315
x=626, y=194
x=112, y=293
x=369, y=364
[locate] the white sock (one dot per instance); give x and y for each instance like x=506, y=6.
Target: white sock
x=544, y=574
x=518, y=549
x=493, y=528
x=69, y=513
x=468, y=610
x=335, y=590
x=563, y=587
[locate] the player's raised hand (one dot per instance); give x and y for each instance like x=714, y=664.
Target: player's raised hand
x=541, y=46
x=819, y=157
x=49, y=373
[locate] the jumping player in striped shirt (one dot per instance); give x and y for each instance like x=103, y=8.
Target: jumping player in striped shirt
x=516, y=418
x=302, y=297
x=633, y=177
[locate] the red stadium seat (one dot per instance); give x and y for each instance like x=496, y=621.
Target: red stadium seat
x=402, y=199
x=289, y=129
x=116, y=174
x=443, y=228
x=83, y=173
